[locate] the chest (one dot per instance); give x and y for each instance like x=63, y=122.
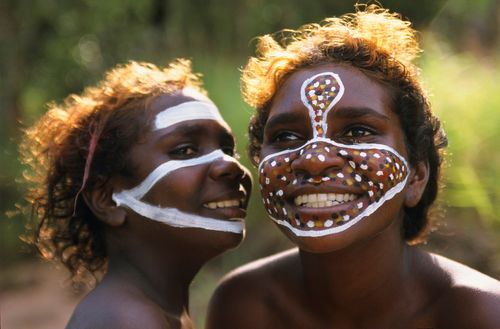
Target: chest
x=291, y=311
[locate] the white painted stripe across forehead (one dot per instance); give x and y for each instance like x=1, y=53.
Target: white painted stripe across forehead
x=192, y=110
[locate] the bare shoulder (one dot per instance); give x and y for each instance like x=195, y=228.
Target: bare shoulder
x=244, y=297
x=472, y=299
x=106, y=309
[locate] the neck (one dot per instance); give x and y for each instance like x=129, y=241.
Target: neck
x=161, y=275
x=362, y=280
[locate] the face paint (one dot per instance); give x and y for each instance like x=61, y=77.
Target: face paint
x=194, y=110
x=319, y=94
x=377, y=170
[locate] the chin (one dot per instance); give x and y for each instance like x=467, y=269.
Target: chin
x=324, y=244
x=217, y=241
x=359, y=233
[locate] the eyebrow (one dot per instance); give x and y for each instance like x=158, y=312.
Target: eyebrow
x=356, y=112
x=196, y=129
x=285, y=118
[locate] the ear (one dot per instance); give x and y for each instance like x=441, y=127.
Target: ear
x=419, y=176
x=102, y=205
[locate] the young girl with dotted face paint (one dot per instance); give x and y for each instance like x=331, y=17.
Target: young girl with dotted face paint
x=136, y=183
x=348, y=157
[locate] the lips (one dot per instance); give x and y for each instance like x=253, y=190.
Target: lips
x=318, y=207
x=227, y=206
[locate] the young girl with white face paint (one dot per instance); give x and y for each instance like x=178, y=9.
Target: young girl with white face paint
x=136, y=179
x=348, y=156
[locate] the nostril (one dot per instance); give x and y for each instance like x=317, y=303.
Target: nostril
x=223, y=169
x=316, y=163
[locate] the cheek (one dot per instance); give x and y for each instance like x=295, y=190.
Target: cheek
x=371, y=174
x=376, y=170
x=180, y=189
x=274, y=175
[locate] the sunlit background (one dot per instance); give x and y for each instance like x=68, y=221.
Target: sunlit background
x=50, y=48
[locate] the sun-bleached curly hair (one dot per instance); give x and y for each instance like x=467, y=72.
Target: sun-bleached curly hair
x=381, y=45
x=83, y=142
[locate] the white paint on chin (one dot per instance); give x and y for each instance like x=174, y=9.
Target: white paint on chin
x=365, y=213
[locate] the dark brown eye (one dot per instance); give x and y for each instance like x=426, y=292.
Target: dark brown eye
x=286, y=136
x=187, y=150
x=358, y=132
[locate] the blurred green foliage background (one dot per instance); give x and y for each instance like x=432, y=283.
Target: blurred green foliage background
x=50, y=48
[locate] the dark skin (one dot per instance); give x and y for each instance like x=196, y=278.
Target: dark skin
x=365, y=276
x=151, y=264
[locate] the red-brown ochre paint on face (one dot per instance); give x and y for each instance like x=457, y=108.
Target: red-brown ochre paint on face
x=373, y=172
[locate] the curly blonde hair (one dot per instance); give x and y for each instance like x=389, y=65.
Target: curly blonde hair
x=81, y=143
x=380, y=44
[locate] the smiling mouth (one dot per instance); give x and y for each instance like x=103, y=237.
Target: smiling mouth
x=232, y=203
x=323, y=200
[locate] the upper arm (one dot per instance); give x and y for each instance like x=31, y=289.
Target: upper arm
x=125, y=316
x=484, y=310
x=471, y=308
x=237, y=303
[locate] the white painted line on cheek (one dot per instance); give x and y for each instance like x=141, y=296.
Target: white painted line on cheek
x=176, y=218
x=169, y=166
x=172, y=216
x=365, y=213
x=193, y=110
x=368, y=211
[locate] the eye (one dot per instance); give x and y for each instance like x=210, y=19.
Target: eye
x=286, y=136
x=229, y=150
x=358, y=132
x=184, y=151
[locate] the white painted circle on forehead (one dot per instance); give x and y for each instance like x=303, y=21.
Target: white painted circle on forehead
x=334, y=101
x=192, y=110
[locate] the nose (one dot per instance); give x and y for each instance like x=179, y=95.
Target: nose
x=226, y=168
x=317, y=161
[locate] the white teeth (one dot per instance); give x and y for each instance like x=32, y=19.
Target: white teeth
x=321, y=200
x=211, y=205
x=223, y=204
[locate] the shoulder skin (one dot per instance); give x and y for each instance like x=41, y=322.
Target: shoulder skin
x=245, y=297
x=472, y=300
x=121, y=311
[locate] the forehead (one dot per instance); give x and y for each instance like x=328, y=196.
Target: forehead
x=165, y=101
x=360, y=90
x=161, y=106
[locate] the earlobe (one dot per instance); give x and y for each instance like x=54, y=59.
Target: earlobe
x=417, y=183
x=103, y=207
